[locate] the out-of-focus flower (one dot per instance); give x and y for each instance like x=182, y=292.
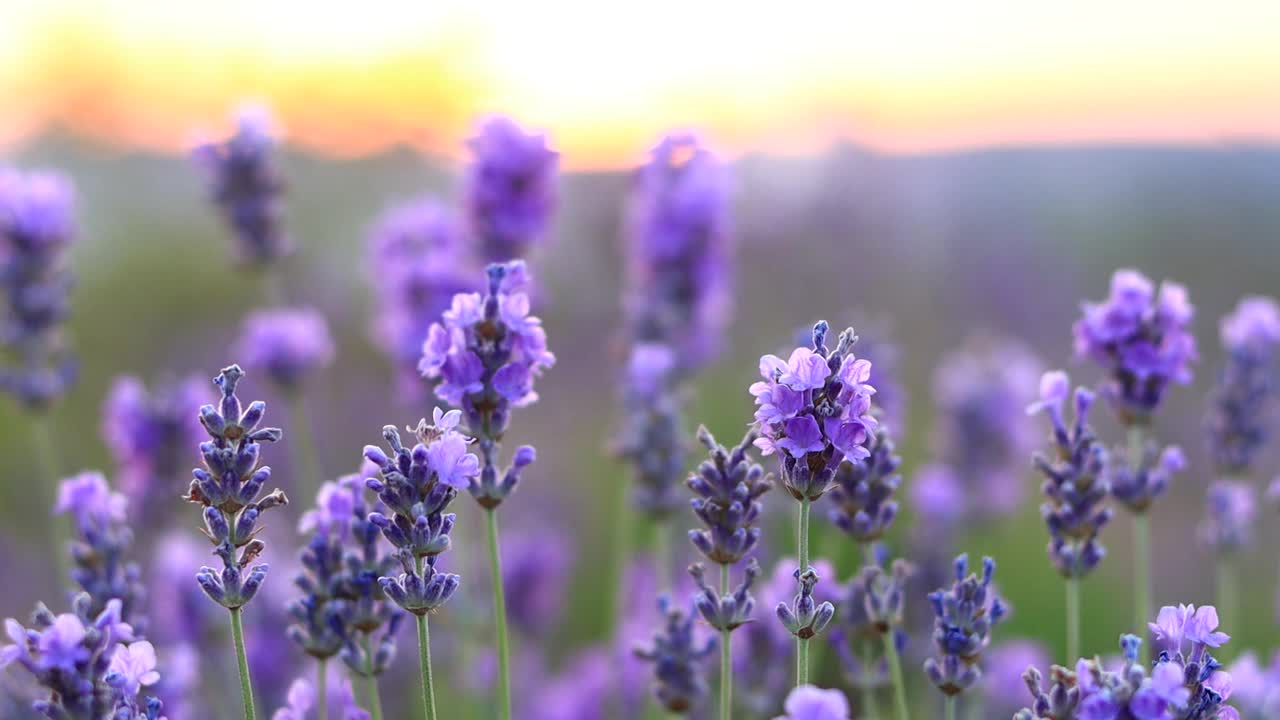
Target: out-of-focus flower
x=150, y=433
x=679, y=272
x=288, y=345
x=1239, y=407
x=1141, y=339
x=37, y=227
x=417, y=263
x=510, y=188
x=539, y=563
x=862, y=497
x=1002, y=684
x=246, y=185
x=1138, y=487
x=228, y=487
x=1075, y=485
x=340, y=700
x=1231, y=509
x=677, y=659
x=808, y=702
x=652, y=436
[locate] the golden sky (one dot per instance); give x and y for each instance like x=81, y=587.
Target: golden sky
x=605, y=78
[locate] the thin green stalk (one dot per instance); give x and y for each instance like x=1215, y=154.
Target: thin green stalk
x=1141, y=554
x=895, y=675
x=322, y=689
x=1228, y=598
x=306, y=462
x=623, y=532
x=499, y=619
x=802, y=645
x=424, y=659
x=1073, y=619
x=726, y=659
x=46, y=453
x=242, y=660
x=371, y=681
x=870, y=707
x=950, y=712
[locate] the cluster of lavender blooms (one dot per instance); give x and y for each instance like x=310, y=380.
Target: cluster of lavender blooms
x=510, y=188
x=964, y=616
x=418, y=261
x=246, y=185
x=150, y=433
x=677, y=655
x=287, y=345
x=91, y=664
x=339, y=700
x=343, y=608
x=102, y=567
x=652, y=438
x=1142, y=339
x=229, y=486
x=872, y=607
x=1186, y=682
x=1075, y=485
x=37, y=227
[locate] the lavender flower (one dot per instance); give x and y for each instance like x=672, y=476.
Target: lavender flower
x=73, y=656
x=1075, y=485
x=149, y=433
x=652, y=436
x=964, y=616
x=100, y=550
x=417, y=262
x=677, y=656
x=486, y=355
x=1186, y=682
x=37, y=226
x=814, y=409
x=728, y=487
x=811, y=703
x=1231, y=510
x=871, y=606
x=729, y=612
x=540, y=565
x=245, y=184
x=339, y=700
x=228, y=487
x=1143, y=342
x=416, y=486
x=862, y=496
x=1238, y=412
x=1256, y=689
x=805, y=617
x=1002, y=685
x=288, y=345
x=1138, y=487
x=679, y=270
x=510, y=188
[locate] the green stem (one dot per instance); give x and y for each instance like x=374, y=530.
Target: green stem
x=950, y=712
x=306, y=463
x=1228, y=598
x=871, y=708
x=242, y=659
x=371, y=681
x=1141, y=554
x=424, y=659
x=47, y=483
x=726, y=658
x=802, y=645
x=1073, y=620
x=499, y=618
x=895, y=675
x=322, y=689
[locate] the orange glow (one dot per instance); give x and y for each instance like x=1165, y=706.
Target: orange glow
x=605, y=79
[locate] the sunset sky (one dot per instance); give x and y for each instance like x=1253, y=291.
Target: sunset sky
x=605, y=78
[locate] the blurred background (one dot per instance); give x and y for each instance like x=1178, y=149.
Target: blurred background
x=932, y=175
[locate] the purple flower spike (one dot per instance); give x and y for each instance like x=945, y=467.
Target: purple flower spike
x=679, y=270
x=863, y=504
x=652, y=435
x=677, y=655
x=814, y=384
x=1141, y=339
x=1239, y=407
x=149, y=432
x=728, y=487
x=228, y=487
x=964, y=617
x=811, y=703
x=37, y=227
x=247, y=188
x=510, y=188
x=288, y=345
x=1232, y=508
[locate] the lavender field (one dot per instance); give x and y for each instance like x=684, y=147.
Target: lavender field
x=1060, y=368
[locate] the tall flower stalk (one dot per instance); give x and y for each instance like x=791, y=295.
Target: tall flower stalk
x=964, y=616
x=510, y=189
x=484, y=357
x=228, y=487
x=1142, y=340
x=814, y=411
x=727, y=489
x=1075, y=489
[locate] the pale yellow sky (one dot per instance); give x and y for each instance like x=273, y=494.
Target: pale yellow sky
x=605, y=78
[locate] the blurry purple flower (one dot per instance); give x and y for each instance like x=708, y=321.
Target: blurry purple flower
x=510, y=188
x=59, y=645
x=936, y=494
x=1254, y=326
x=811, y=703
x=1231, y=510
x=417, y=263
x=1002, y=682
x=538, y=563
x=678, y=659
x=288, y=345
x=679, y=272
x=133, y=667
x=340, y=700
x=652, y=436
x=90, y=500
x=1138, y=487
x=1143, y=341
x=150, y=433
x=37, y=227
x=245, y=184
x=1239, y=418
